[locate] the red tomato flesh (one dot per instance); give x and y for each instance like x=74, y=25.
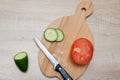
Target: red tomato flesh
x=82, y=51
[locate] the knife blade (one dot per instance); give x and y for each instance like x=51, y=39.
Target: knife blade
x=54, y=62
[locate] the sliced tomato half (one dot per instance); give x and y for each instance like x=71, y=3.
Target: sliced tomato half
x=82, y=51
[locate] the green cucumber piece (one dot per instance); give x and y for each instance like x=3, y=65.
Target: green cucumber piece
x=21, y=60
x=50, y=34
x=60, y=35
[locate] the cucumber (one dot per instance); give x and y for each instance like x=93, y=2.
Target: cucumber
x=53, y=34
x=60, y=36
x=50, y=34
x=21, y=60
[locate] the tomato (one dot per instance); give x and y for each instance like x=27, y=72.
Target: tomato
x=82, y=51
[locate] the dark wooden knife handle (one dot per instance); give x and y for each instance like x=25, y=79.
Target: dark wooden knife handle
x=63, y=73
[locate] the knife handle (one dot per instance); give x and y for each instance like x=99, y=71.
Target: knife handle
x=63, y=73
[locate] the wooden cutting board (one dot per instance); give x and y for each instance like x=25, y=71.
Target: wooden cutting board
x=74, y=27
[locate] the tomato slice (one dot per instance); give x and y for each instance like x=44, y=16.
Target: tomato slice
x=82, y=51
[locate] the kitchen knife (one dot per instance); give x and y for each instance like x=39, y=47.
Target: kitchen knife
x=54, y=62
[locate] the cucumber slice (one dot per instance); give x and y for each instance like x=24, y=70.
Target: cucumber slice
x=60, y=35
x=21, y=60
x=50, y=34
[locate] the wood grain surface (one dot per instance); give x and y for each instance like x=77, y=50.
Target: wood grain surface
x=21, y=19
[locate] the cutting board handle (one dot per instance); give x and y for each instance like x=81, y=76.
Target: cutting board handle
x=84, y=9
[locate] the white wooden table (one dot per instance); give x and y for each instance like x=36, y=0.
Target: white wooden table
x=21, y=19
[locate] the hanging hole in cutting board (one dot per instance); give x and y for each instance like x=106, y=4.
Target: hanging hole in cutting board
x=83, y=9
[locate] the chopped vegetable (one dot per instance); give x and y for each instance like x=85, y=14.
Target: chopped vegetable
x=50, y=34
x=53, y=34
x=82, y=51
x=21, y=60
x=60, y=35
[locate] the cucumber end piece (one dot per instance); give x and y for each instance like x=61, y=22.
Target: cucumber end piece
x=21, y=61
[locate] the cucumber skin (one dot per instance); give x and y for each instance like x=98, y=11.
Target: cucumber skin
x=22, y=64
